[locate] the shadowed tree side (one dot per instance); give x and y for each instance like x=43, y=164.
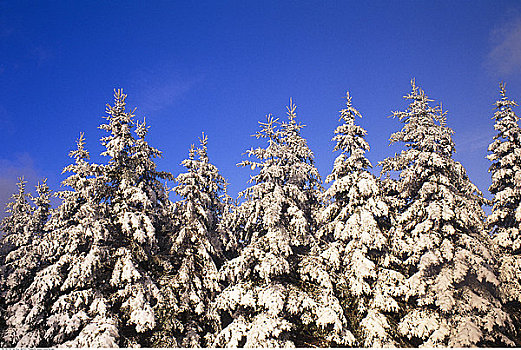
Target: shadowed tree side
x=191, y=284
x=277, y=292
x=96, y=287
x=505, y=218
x=449, y=291
x=355, y=225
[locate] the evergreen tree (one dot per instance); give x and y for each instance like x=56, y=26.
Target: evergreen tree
x=30, y=222
x=23, y=260
x=356, y=224
x=42, y=208
x=14, y=245
x=16, y=225
x=196, y=252
x=505, y=219
x=96, y=287
x=449, y=289
x=138, y=212
x=276, y=292
x=52, y=309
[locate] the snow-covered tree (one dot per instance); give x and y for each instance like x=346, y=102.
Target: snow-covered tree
x=22, y=262
x=42, y=208
x=50, y=311
x=190, y=286
x=95, y=287
x=276, y=292
x=449, y=290
x=356, y=224
x=505, y=219
x=137, y=213
x=17, y=238
x=16, y=225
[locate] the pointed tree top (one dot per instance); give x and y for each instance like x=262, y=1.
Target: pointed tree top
x=502, y=90
x=80, y=152
x=21, y=184
x=267, y=128
x=291, y=110
x=348, y=114
x=203, y=150
x=348, y=98
x=505, y=101
x=142, y=128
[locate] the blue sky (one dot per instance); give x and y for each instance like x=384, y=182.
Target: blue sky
x=221, y=66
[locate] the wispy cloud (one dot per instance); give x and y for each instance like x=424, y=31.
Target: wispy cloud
x=505, y=55
x=163, y=95
x=472, y=141
x=160, y=88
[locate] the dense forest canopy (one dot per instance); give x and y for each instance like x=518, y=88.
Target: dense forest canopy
x=373, y=260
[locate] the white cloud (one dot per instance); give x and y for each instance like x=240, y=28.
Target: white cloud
x=163, y=95
x=160, y=88
x=505, y=55
x=473, y=141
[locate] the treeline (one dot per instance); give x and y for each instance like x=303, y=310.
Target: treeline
x=400, y=261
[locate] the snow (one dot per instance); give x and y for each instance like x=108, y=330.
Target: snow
x=369, y=262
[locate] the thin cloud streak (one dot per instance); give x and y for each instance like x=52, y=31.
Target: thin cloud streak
x=158, y=97
x=161, y=88
x=505, y=56
x=473, y=141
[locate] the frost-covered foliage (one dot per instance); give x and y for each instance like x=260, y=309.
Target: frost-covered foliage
x=505, y=219
x=20, y=256
x=405, y=261
x=42, y=208
x=277, y=293
x=449, y=289
x=94, y=287
x=190, y=285
x=16, y=226
x=356, y=224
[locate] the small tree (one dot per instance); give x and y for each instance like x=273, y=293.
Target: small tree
x=356, y=224
x=14, y=249
x=22, y=261
x=191, y=285
x=505, y=219
x=449, y=291
x=16, y=225
x=277, y=293
x=42, y=209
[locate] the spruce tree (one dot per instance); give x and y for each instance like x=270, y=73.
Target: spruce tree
x=16, y=225
x=16, y=263
x=20, y=263
x=52, y=309
x=197, y=253
x=276, y=292
x=42, y=208
x=449, y=291
x=356, y=223
x=505, y=218
x=138, y=212
x=95, y=288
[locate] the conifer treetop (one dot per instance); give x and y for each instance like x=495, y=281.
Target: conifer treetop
x=350, y=141
x=16, y=224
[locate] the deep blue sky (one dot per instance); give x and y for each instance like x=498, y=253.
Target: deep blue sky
x=221, y=66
